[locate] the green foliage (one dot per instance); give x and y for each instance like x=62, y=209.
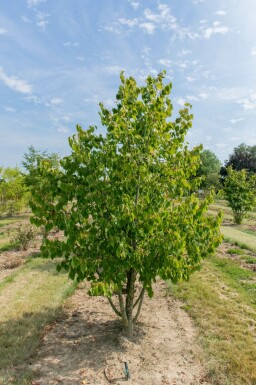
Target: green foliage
x=209, y=169
x=13, y=193
x=240, y=192
x=126, y=201
x=243, y=157
x=31, y=164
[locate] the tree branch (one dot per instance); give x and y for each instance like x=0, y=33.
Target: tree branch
x=138, y=299
x=140, y=305
x=114, y=308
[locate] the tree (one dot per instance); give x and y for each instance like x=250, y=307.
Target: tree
x=31, y=163
x=209, y=169
x=243, y=157
x=13, y=194
x=125, y=201
x=240, y=192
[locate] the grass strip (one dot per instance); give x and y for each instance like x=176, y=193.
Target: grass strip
x=239, y=238
x=29, y=299
x=223, y=309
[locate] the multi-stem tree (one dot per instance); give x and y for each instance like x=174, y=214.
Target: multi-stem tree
x=240, y=192
x=126, y=202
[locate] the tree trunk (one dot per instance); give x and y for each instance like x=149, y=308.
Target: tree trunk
x=130, y=291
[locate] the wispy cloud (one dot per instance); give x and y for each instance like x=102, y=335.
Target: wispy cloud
x=220, y=12
x=34, y=3
x=135, y=4
x=216, y=28
x=190, y=78
x=42, y=19
x=63, y=130
x=3, y=31
x=114, y=70
x=253, y=51
x=9, y=109
x=148, y=27
x=56, y=101
x=71, y=44
x=163, y=19
x=14, y=83
x=234, y=121
x=248, y=103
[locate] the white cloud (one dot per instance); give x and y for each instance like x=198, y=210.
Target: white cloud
x=70, y=44
x=148, y=27
x=42, y=20
x=182, y=65
x=129, y=22
x=34, y=99
x=114, y=70
x=64, y=130
x=233, y=121
x=9, y=109
x=253, y=51
x=34, y=3
x=192, y=98
x=248, y=103
x=190, y=78
x=26, y=19
x=216, y=28
x=3, y=31
x=165, y=62
x=220, y=12
x=56, y=101
x=185, y=52
x=14, y=83
x=181, y=101
x=203, y=95
x=109, y=103
x=221, y=145
x=135, y=4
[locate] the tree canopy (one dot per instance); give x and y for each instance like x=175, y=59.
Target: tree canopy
x=13, y=193
x=209, y=169
x=243, y=157
x=240, y=192
x=126, y=202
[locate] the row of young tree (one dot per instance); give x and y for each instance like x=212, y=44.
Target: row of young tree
x=127, y=202
x=15, y=183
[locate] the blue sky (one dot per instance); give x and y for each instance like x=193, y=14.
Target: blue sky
x=60, y=58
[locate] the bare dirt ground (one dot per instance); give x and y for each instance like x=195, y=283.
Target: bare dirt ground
x=86, y=346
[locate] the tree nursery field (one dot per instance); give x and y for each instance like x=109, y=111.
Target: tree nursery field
x=196, y=332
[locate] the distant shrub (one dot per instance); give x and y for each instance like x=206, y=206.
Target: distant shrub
x=24, y=236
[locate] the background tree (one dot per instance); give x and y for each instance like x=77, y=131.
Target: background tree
x=13, y=193
x=240, y=192
x=125, y=203
x=31, y=164
x=209, y=169
x=243, y=157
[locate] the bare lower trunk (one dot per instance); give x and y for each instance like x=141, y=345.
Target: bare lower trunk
x=130, y=292
x=128, y=306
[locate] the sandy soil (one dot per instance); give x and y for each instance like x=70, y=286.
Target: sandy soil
x=86, y=346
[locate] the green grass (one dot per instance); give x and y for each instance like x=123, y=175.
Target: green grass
x=248, y=231
x=8, y=246
x=30, y=298
x=248, y=259
x=236, y=251
x=222, y=301
x=239, y=238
